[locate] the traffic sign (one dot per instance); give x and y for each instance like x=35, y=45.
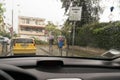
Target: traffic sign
x=75, y=13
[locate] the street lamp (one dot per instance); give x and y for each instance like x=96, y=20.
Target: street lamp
x=12, y=19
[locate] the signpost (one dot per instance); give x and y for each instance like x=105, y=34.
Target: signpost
x=75, y=15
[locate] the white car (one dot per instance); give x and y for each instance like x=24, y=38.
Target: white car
x=4, y=39
x=7, y=40
x=1, y=39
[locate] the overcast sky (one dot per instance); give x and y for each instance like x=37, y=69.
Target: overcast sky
x=51, y=10
x=107, y=14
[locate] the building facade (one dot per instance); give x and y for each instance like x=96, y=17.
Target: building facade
x=31, y=27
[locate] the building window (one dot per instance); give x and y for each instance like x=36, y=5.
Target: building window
x=27, y=21
x=22, y=21
x=31, y=29
x=36, y=22
x=32, y=21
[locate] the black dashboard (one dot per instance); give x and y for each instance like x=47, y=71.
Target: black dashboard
x=60, y=68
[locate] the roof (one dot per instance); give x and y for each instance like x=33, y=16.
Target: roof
x=37, y=18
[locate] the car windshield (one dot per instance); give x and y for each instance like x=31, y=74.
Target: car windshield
x=1, y=39
x=23, y=40
x=71, y=28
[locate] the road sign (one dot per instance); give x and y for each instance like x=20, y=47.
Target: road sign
x=75, y=13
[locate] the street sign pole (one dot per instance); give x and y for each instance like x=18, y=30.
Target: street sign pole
x=73, y=39
x=74, y=15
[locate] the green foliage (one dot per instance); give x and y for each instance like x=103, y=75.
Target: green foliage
x=52, y=28
x=66, y=31
x=90, y=13
x=90, y=9
x=102, y=35
x=40, y=42
x=66, y=28
x=1, y=9
x=4, y=34
x=2, y=30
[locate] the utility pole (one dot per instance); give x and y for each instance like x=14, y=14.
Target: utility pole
x=12, y=19
x=12, y=25
x=73, y=39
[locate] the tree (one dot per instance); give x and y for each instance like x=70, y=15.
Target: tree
x=90, y=13
x=50, y=27
x=90, y=9
x=5, y=34
x=67, y=28
x=66, y=31
x=2, y=10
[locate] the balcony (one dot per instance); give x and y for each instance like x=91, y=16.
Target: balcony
x=32, y=33
x=32, y=25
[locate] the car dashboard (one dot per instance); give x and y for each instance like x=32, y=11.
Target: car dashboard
x=59, y=68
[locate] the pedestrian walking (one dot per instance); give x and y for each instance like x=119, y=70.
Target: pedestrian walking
x=51, y=41
x=60, y=44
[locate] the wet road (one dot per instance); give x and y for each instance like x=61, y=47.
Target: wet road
x=43, y=50
x=39, y=51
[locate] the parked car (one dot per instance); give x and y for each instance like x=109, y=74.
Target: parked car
x=1, y=39
x=4, y=39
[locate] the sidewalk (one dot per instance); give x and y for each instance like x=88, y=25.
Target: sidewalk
x=74, y=51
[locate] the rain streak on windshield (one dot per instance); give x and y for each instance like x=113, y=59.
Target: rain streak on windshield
x=75, y=28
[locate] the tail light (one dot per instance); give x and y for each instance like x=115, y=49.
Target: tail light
x=14, y=44
x=34, y=44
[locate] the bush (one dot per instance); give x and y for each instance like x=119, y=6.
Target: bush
x=102, y=35
x=40, y=42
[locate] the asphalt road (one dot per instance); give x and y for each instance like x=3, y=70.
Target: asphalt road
x=54, y=52
x=39, y=51
x=44, y=50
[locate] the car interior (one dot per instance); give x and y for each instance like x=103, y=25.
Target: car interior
x=69, y=40
x=55, y=68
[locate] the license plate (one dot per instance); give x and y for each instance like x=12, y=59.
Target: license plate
x=24, y=45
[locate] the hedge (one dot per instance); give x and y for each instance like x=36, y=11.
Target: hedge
x=40, y=42
x=101, y=35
